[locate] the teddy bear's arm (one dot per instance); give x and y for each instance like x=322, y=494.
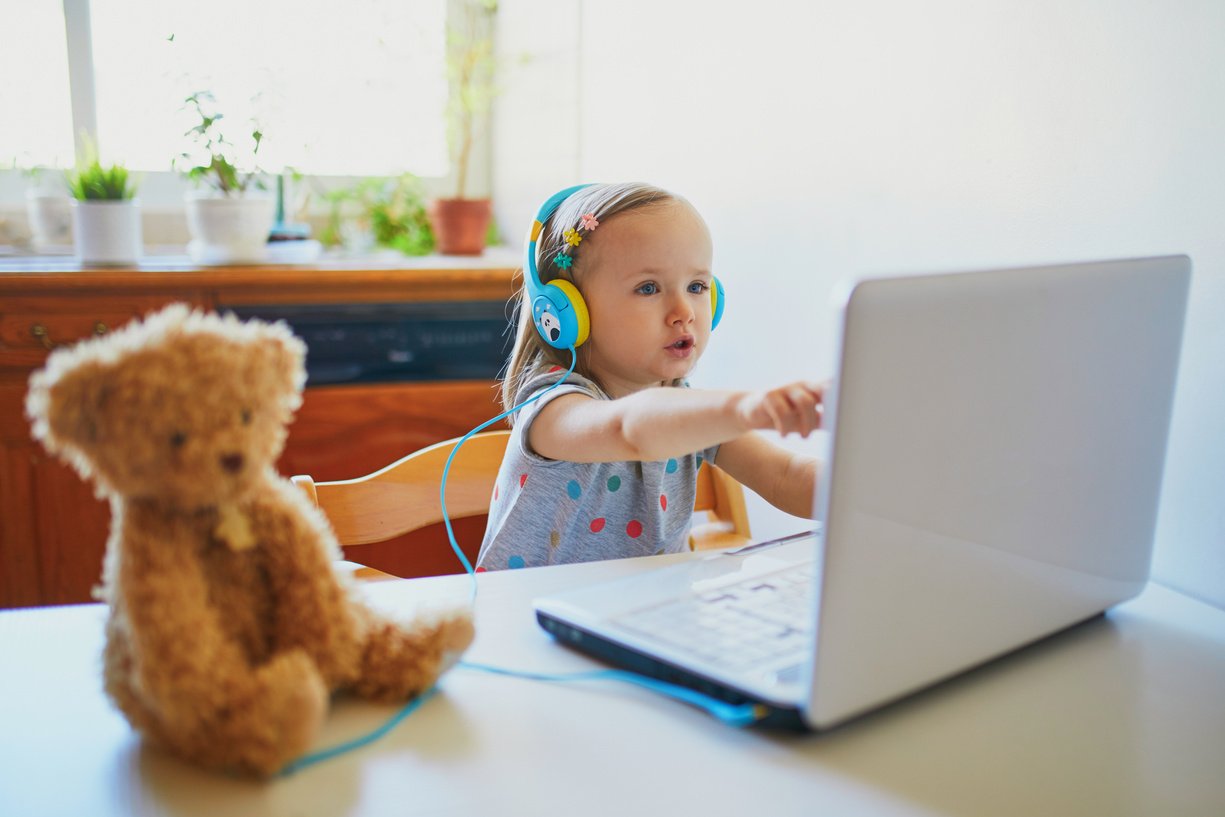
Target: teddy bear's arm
x=178, y=641
x=315, y=609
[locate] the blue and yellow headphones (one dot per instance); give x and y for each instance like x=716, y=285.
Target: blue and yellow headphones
x=558, y=309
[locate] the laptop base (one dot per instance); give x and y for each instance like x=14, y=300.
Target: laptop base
x=776, y=716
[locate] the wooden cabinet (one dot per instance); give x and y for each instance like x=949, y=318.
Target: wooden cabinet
x=53, y=530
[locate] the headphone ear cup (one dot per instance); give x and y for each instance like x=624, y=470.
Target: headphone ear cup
x=579, y=315
x=560, y=315
x=717, y=302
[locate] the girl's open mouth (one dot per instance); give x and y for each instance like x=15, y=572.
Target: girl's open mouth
x=682, y=346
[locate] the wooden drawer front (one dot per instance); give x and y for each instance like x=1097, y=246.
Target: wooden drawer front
x=14, y=428
x=31, y=327
x=342, y=432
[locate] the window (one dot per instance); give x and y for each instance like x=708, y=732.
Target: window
x=35, y=108
x=347, y=89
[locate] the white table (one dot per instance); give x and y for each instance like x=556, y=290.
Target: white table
x=1125, y=715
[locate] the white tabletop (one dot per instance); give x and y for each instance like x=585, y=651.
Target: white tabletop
x=1125, y=715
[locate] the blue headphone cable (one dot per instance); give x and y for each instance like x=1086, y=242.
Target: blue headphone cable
x=446, y=468
x=732, y=714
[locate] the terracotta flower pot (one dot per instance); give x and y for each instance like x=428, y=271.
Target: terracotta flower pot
x=460, y=225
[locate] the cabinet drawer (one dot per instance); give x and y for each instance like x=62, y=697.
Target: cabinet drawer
x=31, y=327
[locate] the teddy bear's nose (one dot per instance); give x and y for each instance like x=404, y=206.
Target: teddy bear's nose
x=232, y=462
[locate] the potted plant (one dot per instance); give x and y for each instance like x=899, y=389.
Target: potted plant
x=231, y=217
x=48, y=208
x=461, y=223
x=385, y=212
x=106, y=215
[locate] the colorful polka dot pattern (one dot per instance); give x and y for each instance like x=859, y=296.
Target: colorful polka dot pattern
x=634, y=528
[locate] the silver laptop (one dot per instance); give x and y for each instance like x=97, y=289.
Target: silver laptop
x=998, y=442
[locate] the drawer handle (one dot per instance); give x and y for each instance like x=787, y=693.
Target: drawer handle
x=39, y=331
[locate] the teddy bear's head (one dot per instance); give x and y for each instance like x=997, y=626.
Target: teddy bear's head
x=184, y=407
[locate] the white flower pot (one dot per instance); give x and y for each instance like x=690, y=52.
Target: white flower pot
x=50, y=216
x=107, y=232
x=230, y=230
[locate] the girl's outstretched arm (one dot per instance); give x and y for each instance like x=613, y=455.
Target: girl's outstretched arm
x=658, y=423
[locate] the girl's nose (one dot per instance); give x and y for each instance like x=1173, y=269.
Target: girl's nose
x=681, y=310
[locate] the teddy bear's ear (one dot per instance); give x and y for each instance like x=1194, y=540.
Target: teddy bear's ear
x=66, y=403
x=284, y=354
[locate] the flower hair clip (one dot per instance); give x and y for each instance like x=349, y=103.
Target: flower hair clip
x=563, y=261
x=589, y=221
x=572, y=237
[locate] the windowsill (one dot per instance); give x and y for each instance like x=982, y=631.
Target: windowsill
x=17, y=258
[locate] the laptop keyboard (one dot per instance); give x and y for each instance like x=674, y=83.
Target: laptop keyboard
x=741, y=626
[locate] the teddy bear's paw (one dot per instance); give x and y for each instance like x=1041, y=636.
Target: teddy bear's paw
x=403, y=660
x=257, y=724
x=284, y=716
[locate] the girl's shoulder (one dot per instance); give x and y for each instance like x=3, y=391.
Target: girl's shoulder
x=556, y=376
x=539, y=389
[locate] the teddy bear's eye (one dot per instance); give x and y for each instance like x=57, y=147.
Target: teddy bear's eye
x=177, y=439
x=246, y=417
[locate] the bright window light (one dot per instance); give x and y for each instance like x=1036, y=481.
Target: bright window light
x=35, y=106
x=352, y=89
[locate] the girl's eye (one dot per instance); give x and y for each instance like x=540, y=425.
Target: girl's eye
x=698, y=287
x=649, y=288
x=177, y=439
x=246, y=417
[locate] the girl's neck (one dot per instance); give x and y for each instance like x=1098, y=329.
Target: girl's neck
x=612, y=384
x=616, y=388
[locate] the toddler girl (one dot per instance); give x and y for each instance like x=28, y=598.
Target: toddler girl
x=605, y=465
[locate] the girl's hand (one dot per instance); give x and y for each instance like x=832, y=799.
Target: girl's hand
x=794, y=407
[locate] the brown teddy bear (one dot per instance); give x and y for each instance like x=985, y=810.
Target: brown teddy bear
x=229, y=625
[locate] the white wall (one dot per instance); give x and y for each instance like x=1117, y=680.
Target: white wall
x=827, y=138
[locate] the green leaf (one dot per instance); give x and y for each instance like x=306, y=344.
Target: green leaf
x=213, y=159
x=90, y=181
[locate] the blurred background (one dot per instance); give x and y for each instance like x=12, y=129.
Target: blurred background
x=820, y=140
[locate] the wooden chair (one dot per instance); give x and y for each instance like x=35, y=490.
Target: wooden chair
x=721, y=498
x=402, y=498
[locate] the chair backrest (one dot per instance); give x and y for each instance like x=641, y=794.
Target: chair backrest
x=722, y=499
x=403, y=497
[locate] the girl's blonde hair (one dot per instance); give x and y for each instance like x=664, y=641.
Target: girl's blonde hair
x=531, y=354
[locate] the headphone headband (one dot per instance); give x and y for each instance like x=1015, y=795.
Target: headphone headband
x=542, y=215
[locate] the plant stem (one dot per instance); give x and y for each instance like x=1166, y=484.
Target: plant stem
x=467, y=75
